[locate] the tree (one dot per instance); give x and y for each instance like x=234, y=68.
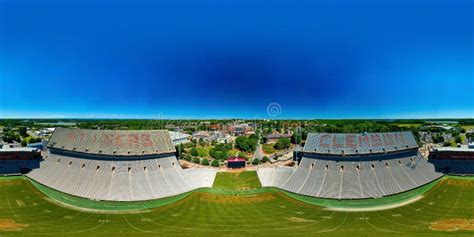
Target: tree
x=282, y=143
x=243, y=155
x=10, y=136
x=296, y=138
x=180, y=148
x=253, y=136
x=205, y=161
x=22, y=131
x=215, y=163
x=34, y=140
x=255, y=161
x=220, y=151
x=246, y=144
x=23, y=143
x=458, y=139
x=202, y=142
x=438, y=138
x=240, y=143
x=469, y=135
x=194, y=152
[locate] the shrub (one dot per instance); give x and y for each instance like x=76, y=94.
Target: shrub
x=205, y=161
x=197, y=160
x=194, y=152
x=188, y=157
x=282, y=143
x=220, y=151
x=220, y=155
x=265, y=159
x=243, y=155
x=215, y=163
x=255, y=161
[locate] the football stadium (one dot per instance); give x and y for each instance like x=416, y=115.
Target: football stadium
x=236, y=118
x=130, y=183
x=355, y=166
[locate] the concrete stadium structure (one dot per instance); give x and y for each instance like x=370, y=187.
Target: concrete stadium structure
x=454, y=160
x=18, y=160
x=116, y=165
x=354, y=166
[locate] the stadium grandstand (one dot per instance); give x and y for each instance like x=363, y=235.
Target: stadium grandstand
x=18, y=160
x=116, y=165
x=354, y=166
x=454, y=160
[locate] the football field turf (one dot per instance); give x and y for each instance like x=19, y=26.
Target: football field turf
x=238, y=181
x=445, y=210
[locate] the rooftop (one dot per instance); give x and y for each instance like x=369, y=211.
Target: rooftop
x=278, y=135
x=235, y=159
x=462, y=148
x=18, y=149
x=178, y=135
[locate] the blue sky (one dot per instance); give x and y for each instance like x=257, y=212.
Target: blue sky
x=228, y=59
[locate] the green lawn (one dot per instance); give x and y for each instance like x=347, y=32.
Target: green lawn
x=203, y=151
x=468, y=127
x=237, y=181
x=268, y=148
x=406, y=125
x=25, y=211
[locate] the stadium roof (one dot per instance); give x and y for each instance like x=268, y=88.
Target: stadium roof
x=462, y=148
x=178, y=135
x=18, y=149
x=112, y=142
x=358, y=143
x=278, y=135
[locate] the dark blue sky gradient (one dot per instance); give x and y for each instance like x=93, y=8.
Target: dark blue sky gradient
x=227, y=59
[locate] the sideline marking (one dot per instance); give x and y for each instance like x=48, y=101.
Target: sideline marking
x=379, y=208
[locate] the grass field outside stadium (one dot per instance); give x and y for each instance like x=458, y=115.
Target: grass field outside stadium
x=233, y=209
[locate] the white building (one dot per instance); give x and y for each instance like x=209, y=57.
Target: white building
x=178, y=137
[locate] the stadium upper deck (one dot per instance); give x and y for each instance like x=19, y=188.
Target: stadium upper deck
x=112, y=142
x=116, y=165
x=358, y=144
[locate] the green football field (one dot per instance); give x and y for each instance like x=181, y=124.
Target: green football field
x=237, y=181
x=447, y=209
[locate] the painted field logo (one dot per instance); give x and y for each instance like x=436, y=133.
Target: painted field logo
x=274, y=109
